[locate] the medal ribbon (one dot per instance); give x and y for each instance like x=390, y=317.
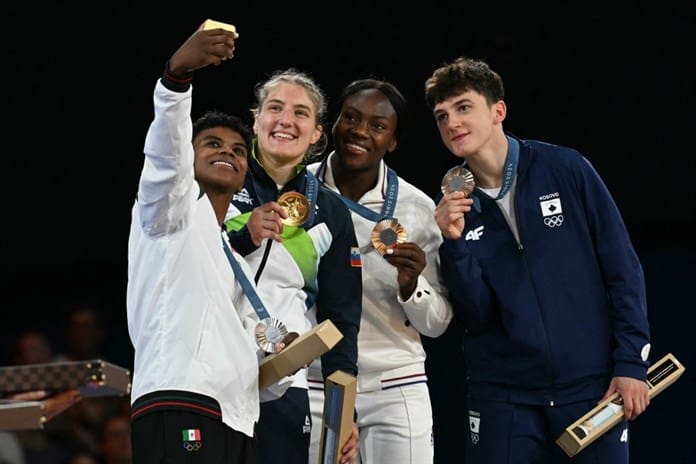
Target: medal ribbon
x=245, y=283
x=509, y=170
x=388, y=206
x=311, y=192
x=510, y=167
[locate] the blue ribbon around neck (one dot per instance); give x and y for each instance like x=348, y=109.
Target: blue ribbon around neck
x=389, y=205
x=509, y=170
x=248, y=289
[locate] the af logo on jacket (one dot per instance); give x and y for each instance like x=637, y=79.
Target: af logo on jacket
x=474, y=234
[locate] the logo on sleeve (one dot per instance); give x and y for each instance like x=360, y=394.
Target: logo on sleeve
x=645, y=352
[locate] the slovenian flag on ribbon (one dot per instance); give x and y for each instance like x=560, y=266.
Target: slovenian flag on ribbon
x=355, y=259
x=192, y=435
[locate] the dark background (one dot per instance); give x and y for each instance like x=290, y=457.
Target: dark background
x=617, y=84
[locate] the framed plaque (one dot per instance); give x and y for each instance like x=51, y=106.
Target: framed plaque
x=581, y=433
x=301, y=352
x=211, y=24
x=337, y=423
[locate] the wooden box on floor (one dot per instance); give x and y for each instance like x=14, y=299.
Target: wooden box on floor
x=337, y=423
x=581, y=433
x=301, y=352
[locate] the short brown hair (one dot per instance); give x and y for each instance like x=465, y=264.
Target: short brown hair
x=461, y=75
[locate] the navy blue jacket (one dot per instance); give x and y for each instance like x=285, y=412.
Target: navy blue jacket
x=552, y=317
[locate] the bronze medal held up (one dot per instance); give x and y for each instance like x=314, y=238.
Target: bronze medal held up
x=386, y=234
x=297, y=207
x=458, y=179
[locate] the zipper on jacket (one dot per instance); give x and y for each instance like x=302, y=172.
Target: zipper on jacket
x=262, y=265
x=520, y=250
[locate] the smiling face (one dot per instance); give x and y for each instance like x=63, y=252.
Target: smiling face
x=365, y=130
x=221, y=156
x=286, y=125
x=468, y=125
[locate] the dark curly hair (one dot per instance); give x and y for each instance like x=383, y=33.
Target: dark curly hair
x=215, y=118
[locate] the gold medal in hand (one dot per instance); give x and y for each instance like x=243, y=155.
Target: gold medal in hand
x=297, y=207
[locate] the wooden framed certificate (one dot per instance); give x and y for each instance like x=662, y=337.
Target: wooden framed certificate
x=339, y=406
x=301, y=352
x=581, y=433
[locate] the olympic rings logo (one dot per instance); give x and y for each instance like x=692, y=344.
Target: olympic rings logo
x=554, y=221
x=192, y=446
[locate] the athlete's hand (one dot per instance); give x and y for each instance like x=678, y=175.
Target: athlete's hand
x=286, y=341
x=634, y=394
x=59, y=402
x=449, y=214
x=34, y=395
x=203, y=48
x=409, y=260
x=266, y=221
x=349, y=452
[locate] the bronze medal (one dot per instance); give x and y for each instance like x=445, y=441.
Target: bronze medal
x=269, y=333
x=458, y=179
x=386, y=234
x=297, y=207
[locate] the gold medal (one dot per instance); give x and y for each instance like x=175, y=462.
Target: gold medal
x=458, y=179
x=297, y=207
x=386, y=234
x=269, y=333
